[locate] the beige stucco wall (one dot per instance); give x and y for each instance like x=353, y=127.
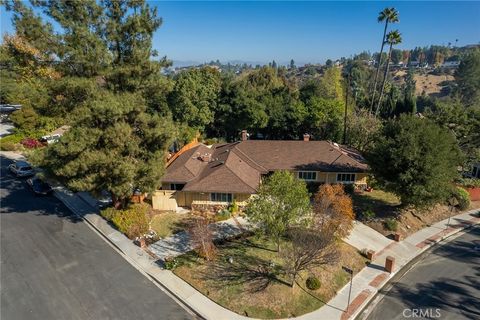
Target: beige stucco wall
x=331, y=177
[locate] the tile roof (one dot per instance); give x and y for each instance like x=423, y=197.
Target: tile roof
x=237, y=167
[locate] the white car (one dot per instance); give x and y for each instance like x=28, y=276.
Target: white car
x=21, y=169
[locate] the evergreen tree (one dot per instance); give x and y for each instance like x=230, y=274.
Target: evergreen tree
x=113, y=145
x=129, y=31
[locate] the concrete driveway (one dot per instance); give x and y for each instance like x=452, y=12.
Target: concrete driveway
x=53, y=266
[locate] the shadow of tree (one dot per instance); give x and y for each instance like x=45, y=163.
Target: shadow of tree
x=237, y=267
x=17, y=198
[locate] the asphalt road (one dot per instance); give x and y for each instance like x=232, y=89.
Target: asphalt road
x=445, y=284
x=53, y=266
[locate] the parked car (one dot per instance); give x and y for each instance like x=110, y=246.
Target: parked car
x=39, y=186
x=21, y=169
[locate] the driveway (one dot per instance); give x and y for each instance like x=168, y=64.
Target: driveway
x=445, y=284
x=53, y=266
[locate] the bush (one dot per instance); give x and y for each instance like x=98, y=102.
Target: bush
x=349, y=188
x=391, y=224
x=222, y=215
x=463, y=198
x=313, y=283
x=8, y=146
x=9, y=142
x=171, y=263
x=132, y=221
x=233, y=208
x=368, y=215
x=30, y=143
x=469, y=182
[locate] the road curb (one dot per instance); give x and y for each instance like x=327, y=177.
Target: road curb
x=130, y=260
x=364, y=312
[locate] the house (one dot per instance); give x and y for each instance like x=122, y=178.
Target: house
x=451, y=64
x=219, y=174
x=55, y=134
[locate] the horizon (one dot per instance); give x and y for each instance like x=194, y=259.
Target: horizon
x=257, y=32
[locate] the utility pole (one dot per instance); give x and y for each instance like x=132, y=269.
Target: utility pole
x=346, y=107
x=349, y=271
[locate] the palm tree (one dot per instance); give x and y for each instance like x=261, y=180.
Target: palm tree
x=389, y=15
x=393, y=38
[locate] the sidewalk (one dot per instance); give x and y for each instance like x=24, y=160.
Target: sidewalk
x=365, y=284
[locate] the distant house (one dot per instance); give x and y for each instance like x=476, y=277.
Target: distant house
x=222, y=173
x=55, y=134
x=450, y=64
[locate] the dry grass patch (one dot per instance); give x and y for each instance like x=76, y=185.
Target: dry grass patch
x=167, y=223
x=252, y=283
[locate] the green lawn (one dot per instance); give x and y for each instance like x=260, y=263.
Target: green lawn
x=167, y=223
x=381, y=202
x=254, y=284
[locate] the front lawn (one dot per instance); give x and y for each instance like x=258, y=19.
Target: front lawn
x=382, y=203
x=167, y=223
x=252, y=282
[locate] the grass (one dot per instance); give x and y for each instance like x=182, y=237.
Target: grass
x=382, y=203
x=254, y=283
x=167, y=223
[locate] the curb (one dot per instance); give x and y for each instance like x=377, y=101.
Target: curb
x=171, y=294
x=363, y=312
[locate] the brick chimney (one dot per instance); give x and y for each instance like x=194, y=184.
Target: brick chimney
x=306, y=137
x=244, y=135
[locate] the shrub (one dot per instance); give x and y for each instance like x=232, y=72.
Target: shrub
x=222, y=215
x=233, y=208
x=8, y=146
x=349, y=188
x=9, y=142
x=463, y=198
x=30, y=143
x=469, y=182
x=132, y=221
x=313, y=283
x=368, y=215
x=171, y=263
x=391, y=224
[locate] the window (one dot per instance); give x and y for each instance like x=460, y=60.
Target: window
x=307, y=175
x=176, y=186
x=346, y=177
x=221, y=197
x=475, y=171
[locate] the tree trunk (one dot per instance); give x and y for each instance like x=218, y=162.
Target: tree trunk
x=384, y=80
x=378, y=66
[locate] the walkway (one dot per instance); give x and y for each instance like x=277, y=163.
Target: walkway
x=180, y=243
x=365, y=284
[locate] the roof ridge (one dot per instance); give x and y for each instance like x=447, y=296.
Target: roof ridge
x=243, y=181
x=246, y=156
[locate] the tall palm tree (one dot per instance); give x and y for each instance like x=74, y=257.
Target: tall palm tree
x=393, y=38
x=389, y=15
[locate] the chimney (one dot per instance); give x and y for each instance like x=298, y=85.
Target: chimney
x=244, y=135
x=306, y=137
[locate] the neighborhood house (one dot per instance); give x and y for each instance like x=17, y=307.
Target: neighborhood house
x=219, y=174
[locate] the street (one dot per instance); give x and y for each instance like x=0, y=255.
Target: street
x=53, y=266
x=445, y=284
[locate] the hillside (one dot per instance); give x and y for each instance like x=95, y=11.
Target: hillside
x=429, y=83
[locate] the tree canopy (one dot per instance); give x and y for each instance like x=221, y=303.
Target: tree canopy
x=416, y=159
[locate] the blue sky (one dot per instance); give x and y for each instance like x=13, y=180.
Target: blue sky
x=305, y=31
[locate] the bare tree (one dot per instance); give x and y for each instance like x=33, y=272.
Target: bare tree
x=307, y=249
x=202, y=238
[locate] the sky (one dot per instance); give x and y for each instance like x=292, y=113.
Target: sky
x=308, y=32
